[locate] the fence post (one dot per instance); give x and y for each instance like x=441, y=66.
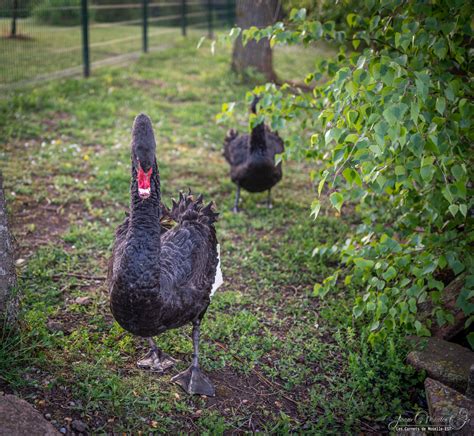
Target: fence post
x=145, y=25
x=85, y=38
x=209, y=19
x=183, y=17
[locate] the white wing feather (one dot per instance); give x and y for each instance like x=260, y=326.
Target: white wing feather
x=218, y=279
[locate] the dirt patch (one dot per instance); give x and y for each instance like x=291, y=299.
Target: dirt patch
x=37, y=224
x=18, y=37
x=147, y=82
x=247, y=395
x=52, y=122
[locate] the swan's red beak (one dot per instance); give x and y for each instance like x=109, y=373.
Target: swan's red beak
x=144, y=188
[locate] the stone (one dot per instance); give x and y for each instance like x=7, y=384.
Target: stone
x=8, y=296
x=449, y=409
x=444, y=361
x=470, y=384
x=448, y=300
x=19, y=418
x=83, y=301
x=79, y=426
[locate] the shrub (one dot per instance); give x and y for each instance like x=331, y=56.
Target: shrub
x=389, y=130
x=116, y=14
x=58, y=12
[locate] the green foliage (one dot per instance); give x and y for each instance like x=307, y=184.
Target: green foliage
x=378, y=373
x=58, y=12
x=22, y=11
x=391, y=130
x=121, y=13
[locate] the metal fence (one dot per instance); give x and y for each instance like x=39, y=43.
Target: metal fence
x=47, y=39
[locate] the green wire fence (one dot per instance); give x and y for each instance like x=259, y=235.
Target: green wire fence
x=48, y=39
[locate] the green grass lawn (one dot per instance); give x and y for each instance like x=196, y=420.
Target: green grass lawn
x=282, y=360
x=43, y=49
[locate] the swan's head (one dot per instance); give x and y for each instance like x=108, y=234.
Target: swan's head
x=143, y=153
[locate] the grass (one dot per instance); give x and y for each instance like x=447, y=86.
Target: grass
x=282, y=360
x=43, y=49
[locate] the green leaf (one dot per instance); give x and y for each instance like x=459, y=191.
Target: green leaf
x=203, y=38
x=412, y=305
x=414, y=110
x=375, y=325
x=447, y=194
x=315, y=208
x=399, y=170
x=390, y=274
x=394, y=114
x=298, y=14
x=463, y=209
x=336, y=199
x=364, y=263
x=441, y=105
x=317, y=289
x=347, y=173
x=322, y=182
x=458, y=171
x=416, y=144
x=440, y=48
x=453, y=208
x=352, y=138
x=332, y=134
x=357, y=311
x=427, y=172
x=422, y=85
x=470, y=339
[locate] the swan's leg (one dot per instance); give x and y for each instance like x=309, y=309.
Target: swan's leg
x=236, y=202
x=269, y=199
x=156, y=360
x=193, y=380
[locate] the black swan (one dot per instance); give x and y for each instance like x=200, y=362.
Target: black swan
x=252, y=159
x=162, y=278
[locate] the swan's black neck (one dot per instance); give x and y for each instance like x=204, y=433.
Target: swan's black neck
x=145, y=213
x=258, y=141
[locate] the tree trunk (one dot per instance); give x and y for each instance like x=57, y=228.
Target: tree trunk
x=255, y=55
x=14, y=18
x=8, y=297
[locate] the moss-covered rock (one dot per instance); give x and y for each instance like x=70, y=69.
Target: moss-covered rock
x=444, y=361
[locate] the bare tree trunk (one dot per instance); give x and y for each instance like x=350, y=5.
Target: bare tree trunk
x=14, y=18
x=256, y=55
x=8, y=298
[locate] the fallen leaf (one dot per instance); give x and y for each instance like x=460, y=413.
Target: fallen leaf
x=82, y=300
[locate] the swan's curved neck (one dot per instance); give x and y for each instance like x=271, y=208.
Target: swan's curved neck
x=257, y=138
x=145, y=213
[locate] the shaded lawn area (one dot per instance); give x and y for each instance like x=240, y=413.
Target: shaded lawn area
x=280, y=358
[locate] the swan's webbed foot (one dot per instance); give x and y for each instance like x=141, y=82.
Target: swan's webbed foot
x=156, y=360
x=156, y=363
x=194, y=381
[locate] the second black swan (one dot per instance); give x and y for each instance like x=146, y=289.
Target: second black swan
x=252, y=159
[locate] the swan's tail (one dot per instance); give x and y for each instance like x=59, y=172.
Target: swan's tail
x=230, y=136
x=189, y=209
